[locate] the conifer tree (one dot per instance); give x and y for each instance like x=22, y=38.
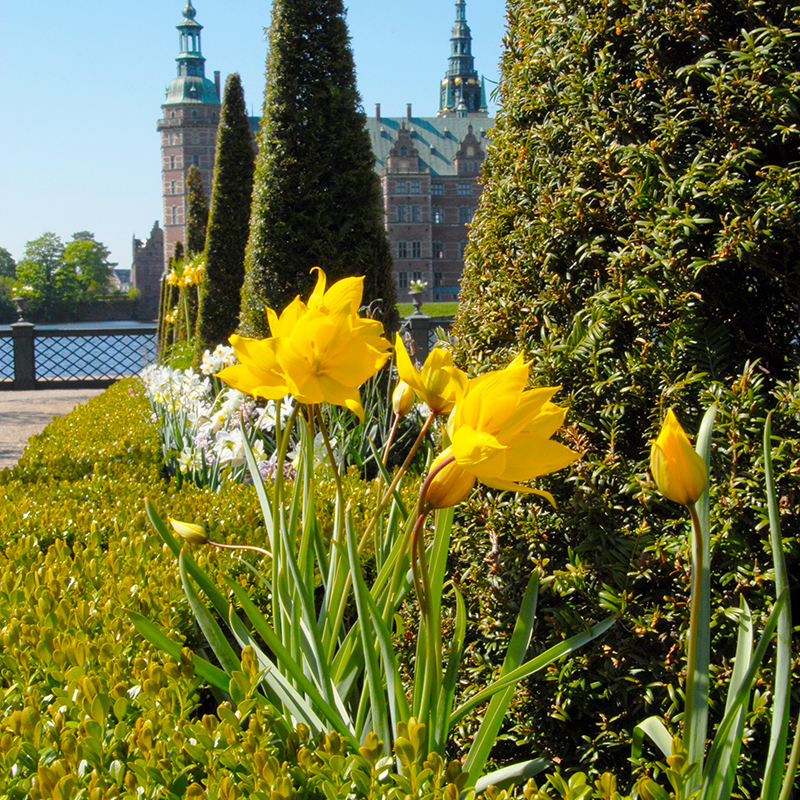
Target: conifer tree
x=316, y=197
x=229, y=220
x=196, y=212
x=638, y=238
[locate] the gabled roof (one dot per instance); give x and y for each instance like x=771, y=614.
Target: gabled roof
x=437, y=140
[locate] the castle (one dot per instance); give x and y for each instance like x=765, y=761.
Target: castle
x=428, y=167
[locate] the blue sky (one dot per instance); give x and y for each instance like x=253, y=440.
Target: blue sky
x=84, y=83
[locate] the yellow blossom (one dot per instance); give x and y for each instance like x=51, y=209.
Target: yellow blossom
x=679, y=472
x=402, y=399
x=435, y=384
x=194, y=534
x=319, y=352
x=501, y=434
x=450, y=484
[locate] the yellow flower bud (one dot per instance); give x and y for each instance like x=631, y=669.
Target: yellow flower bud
x=194, y=534
x=402, y=399
x=450, y=485
x=679, y=472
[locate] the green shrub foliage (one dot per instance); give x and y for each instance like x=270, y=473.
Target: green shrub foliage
x=638, y=238
x=229, y=221
x=316, y=198
x=196, y=212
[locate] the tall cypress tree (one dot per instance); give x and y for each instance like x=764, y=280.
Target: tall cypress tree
x=228, y=223
x=196, y=212
x=316, y=197
x=638, y=238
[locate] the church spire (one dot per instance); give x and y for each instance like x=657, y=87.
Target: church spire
x=462, y=93
x=191, y=84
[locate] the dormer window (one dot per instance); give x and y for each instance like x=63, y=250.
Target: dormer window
x=403, y=151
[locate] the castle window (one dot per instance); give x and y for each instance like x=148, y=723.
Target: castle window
x=172, y=162
x=402, y=280
x=464, y=215
x=465, y=189
x=402, y=249
x=401, y=213
x=437, y=215
x=196, y=161
x=438, y=250
x=416, y=276
x=437, y=278
x=413, y=187
x=401, y=187
x=174, y=215
x=416, y=213
x=172, y=189
x=437, y=188
x=416, y=249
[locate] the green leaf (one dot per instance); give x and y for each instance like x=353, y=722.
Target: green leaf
x=513, y=774
x=214, y=636
x=493, y=718
x=779, y=729
x=528, y=668
x=656, y=730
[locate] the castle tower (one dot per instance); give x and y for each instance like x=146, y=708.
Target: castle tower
x=188, y=129
x=462, y=94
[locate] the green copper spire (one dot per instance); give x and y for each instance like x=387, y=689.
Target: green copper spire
x=462, y=93
x=191, y=85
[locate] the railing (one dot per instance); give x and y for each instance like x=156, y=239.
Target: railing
x=72, y=357
x=423, y=332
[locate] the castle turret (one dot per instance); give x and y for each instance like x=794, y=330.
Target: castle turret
x=462, y=93
x=188, y=129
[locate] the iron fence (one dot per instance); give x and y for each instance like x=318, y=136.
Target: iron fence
x=72, y=356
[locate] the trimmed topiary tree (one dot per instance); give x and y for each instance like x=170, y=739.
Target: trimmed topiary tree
x=229, y=222
x=639, y=239
x=196, y=212
x=316, y=198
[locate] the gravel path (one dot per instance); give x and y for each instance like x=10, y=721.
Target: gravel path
x=23, y=414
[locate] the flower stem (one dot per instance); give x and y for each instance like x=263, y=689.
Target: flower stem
x=692, y=679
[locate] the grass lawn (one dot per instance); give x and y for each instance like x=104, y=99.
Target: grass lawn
x=431, y=309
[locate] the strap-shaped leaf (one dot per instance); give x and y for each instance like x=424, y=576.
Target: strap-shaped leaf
x=258, y=483
x=453, y=664
x=515, y=655
x=335, y=719
x=656, y=730
x=208, y=625
x=718, y=750
x=512, y=774
x=207, y=671
x=203, y=581
x=375, y=684
x=529, y=667
x=779, y=728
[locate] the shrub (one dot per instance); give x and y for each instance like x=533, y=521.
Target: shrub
x=638, y=238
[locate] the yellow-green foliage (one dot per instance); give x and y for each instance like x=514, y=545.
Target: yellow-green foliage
x=87, y=708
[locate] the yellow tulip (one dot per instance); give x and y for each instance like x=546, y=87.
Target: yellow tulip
x=501, y=434
x=679, y=472
x=319, y=352
x=402, y=399
x=258, y=374
x=450, y=484
x=326, y=358
x=435, y=384
x=194, y=534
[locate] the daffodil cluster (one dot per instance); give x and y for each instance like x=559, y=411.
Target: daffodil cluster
x=319, y=351
x=189, y=273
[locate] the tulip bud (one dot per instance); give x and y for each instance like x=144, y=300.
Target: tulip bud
x=679, y=472
x=450, y=485
x=402, y=399
x=194, y=534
